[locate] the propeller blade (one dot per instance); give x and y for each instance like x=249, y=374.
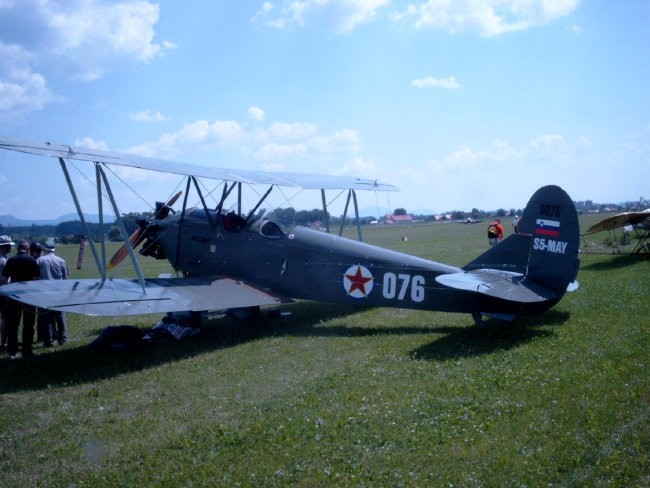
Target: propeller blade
x=163, y=211
x=121, y=253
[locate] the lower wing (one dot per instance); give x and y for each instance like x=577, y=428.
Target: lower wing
x=115, y=297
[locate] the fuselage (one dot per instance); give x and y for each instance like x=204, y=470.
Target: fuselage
x=304, y=263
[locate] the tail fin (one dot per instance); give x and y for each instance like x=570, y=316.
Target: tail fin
x=550, y=218
x=546, y=248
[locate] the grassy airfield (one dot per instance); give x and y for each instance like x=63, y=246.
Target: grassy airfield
x=341, y=396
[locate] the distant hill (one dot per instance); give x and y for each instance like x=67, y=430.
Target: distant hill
x=11, y=221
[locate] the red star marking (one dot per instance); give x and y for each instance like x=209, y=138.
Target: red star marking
x=358, y=282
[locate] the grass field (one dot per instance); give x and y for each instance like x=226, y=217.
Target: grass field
x=341, y=396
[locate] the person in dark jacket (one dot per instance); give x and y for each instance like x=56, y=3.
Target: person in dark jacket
x=20, y=267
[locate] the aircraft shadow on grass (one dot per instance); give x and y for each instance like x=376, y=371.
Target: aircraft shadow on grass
x=615, y=262
x=496, y=336
x=81, y=364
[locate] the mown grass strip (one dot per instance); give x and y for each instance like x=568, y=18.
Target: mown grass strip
x=342, y=396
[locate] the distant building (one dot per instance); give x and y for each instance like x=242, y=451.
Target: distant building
x=398, y=219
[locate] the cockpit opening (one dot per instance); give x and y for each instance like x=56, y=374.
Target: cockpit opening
x=271, y=229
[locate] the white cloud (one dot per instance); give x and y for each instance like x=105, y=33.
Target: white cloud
x=550, y=148
x=280, y=152
x=344, y=140
x=22, y=90
x=263, y=12
x=78, y=40
x=148, y=116
x=106, y=29
x=638, y=143
x=91, y=143
x=486, y=17
x=200, y=132
x=256, y=113
x=501, y=173
x=288, y=131
x=340, y=15
x=450, y=83
x=295, y=146
x=361, y=167
x=544, y=149
x=576, y=29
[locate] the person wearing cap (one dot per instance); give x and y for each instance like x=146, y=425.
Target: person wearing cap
x=51, y=323
x=20, y=267
x=5, y=249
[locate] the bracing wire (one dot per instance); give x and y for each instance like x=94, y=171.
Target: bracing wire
x=148, y=205
x=335, y=198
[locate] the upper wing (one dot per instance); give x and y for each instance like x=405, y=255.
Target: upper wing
x=125, y=297
x=619, y=220
x=500, y=284
x=307, y=181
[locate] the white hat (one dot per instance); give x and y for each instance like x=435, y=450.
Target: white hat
x=6, y=241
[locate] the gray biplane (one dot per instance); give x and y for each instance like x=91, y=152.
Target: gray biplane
x=232, y=260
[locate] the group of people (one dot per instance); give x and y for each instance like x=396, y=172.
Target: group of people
x=31, y=262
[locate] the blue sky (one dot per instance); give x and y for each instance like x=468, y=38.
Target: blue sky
x=461, y=103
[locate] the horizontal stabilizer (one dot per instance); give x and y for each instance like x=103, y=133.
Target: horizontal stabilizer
x=126, y=297
x=500, y=284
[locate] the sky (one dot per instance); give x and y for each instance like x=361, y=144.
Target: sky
x=462, y=104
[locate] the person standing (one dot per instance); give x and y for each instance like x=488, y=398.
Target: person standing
x=495, y=232
x=5, y=249
x=51, y=323
x=36, y=250
x=21, y=267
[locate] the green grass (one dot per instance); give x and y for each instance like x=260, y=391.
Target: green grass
x=342, y=396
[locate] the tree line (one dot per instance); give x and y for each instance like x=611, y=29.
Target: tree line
x=71, y=232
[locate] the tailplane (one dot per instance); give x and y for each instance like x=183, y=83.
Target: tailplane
x=545, y=251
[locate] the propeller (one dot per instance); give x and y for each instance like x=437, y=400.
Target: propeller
x=138, y=235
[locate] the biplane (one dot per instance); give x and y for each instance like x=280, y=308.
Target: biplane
x=226, y=260
x=638, y=222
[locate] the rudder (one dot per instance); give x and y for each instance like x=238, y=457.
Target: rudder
x=551, y=220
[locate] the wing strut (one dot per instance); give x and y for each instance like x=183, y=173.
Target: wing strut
x=252, y=212
x=181, y=224
x=238, y=197
x=91, y=241
x=325, y=216
x=224, y=195
x=351, y=195
x=120, y=223
x=345, y=213
x=356, y=213
x=100, y=210
x=205, y=207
